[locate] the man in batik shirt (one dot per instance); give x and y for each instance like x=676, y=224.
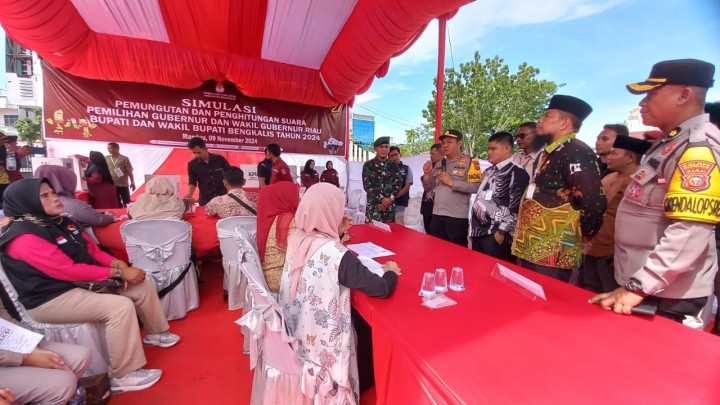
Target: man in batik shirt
x=564, y=203
x=382, y=182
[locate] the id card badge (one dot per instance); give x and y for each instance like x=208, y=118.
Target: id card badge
x=118, y=172
x=488, y=195
x=530, y=191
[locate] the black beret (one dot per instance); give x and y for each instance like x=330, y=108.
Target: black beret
x=688, y=72
x=632, y=144
x=570, y=104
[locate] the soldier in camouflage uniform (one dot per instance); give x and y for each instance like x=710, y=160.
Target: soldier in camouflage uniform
x=382, y=182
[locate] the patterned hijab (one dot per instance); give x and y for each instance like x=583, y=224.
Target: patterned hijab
x=316, y=222
x=21, y=201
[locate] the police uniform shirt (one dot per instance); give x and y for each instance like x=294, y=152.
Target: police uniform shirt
x=672, y=258
x=454, y=201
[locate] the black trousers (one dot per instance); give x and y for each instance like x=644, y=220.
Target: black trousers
x=597, y=274
x=451, y=229
x=488, y=245
x=123, y=194
x=677, y=309
x=554, y=272
x=427, y=222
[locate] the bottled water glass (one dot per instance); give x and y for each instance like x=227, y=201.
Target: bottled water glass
x=441, y=285
x=457, y=279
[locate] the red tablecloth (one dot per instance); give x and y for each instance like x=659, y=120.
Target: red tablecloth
x=497, y=346
x=204, y=235
x=83, y=196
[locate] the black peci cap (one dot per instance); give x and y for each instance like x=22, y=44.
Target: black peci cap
x=632, y=144
x=570, y=104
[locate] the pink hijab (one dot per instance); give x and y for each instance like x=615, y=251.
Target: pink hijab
x=316, y=222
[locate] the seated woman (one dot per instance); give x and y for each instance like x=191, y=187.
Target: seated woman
x=102, y=189
x=64, y=181
x=330, y=175
x=43, y=253
x=315, y=294
x=158, y=202
x=276, y=208
x=309, y=175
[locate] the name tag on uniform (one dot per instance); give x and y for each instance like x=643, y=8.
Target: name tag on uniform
x=488, y=195
x=530, y=191
x=118, y=172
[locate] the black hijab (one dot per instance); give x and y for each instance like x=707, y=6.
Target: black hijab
x=99, y=164
x=308, y=170
x=22, y=202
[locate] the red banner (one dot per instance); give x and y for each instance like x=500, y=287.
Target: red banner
x=124, y=112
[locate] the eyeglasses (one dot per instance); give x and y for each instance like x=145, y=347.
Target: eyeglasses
x=521, y=136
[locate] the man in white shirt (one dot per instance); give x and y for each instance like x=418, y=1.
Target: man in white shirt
x=530, y=147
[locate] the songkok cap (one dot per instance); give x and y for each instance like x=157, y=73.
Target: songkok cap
x=570, y=104
x=452, y=133
x=636, y=145
x=688, y=72
x=382, y=141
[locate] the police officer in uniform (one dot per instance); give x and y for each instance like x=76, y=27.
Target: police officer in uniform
x=382, y=183
x=452, y=180
x=665, y=250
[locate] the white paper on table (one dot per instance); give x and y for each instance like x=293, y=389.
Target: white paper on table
x=372, y=265
x=369, y=250
x=523, y=282
x=381, y=226
x=17, y=339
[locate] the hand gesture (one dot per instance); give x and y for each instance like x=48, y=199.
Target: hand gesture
x=427, y=167
x=44, y=359
x=132, y=275
x=444, y=178
x=391, y=266
x=621, y=301
x=345, y=225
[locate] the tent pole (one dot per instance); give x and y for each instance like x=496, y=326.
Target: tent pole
x=442, y=20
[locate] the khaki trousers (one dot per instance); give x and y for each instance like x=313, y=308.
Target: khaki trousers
x=119, y=313
x=44, y=385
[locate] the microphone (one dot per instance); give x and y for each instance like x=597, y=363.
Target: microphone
x=443, y=164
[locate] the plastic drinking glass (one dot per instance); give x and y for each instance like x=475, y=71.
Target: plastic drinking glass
x=428, y=285
x=441, y=285
x=457, y=279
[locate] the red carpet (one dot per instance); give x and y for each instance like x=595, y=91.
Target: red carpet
x=207, y=366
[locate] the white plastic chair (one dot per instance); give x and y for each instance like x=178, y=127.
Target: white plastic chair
x=233, y=280
x=161, y=247
x=89, y=335
x=278, y=372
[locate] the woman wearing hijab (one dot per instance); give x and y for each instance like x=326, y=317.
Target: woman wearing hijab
x=276, y=208
x=309, y=176
x=43, y=253
x=100, y=183
x=64, y=181
x=159, y=201
x=315, y=294
x=330, y=175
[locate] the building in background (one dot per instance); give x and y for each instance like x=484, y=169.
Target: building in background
x=363, y=129
x=20, y=83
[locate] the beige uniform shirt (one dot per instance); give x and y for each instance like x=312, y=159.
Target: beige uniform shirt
x=528, y=161
x=671, y=258
x=454, y=201
x=123, y=164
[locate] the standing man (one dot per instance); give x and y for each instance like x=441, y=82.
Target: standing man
x=382, y=183
x=597, y=271
x=665, y=252
x=280, y=169
x=205, y=171
x=530, y=147
x=452, y=180
x=121, y=170
x=604, y=143
x=426, y=207
x=498, y=199
x=564, y=203
x=264, y=172
x=403, y=196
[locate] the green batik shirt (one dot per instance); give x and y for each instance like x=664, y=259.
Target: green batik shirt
x=381, y=179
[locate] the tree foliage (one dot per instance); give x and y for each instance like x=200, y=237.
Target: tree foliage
x=30, y=129
x=481, y=98
x=419, y=140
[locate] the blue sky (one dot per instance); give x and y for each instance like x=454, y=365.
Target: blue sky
x=594, y=47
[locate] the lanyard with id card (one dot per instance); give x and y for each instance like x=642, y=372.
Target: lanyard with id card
x=118, y=171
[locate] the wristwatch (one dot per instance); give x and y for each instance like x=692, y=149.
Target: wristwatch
x=634, y=285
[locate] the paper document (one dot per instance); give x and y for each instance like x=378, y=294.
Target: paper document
x=369, y=250
x=17, y=339
x=372, y=265
x=381, y=226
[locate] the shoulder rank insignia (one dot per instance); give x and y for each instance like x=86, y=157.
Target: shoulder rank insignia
x=674, y=133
